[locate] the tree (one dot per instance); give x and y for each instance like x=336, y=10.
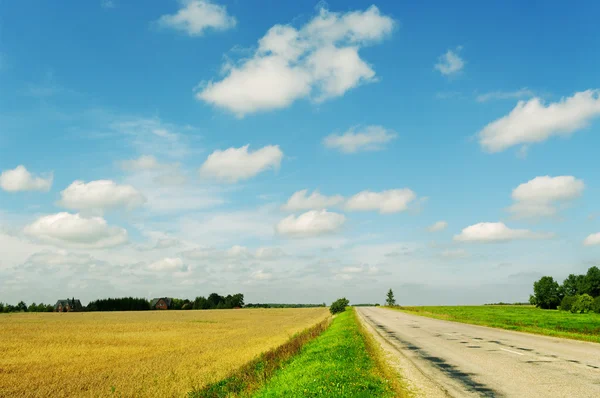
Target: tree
x=573, y=285
x=390, y=300
x=546, y=293
x=583, y=304
x=596, y=305
x=592, y=282
x=567, y=303
x=339, y=305
x=22, y=306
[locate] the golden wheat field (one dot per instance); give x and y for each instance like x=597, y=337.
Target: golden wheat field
x=141, y=354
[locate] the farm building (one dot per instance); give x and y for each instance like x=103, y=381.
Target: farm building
x=163, y=303
x=68, y=305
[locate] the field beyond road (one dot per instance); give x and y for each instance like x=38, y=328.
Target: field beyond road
x=148, y=353
x=518, y=317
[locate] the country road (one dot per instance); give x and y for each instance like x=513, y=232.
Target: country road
x=466, y=360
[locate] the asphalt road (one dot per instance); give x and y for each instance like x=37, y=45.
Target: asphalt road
x=467, y=360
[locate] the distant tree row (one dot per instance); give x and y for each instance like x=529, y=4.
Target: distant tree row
x=22, y=307
x=119, y=304
x=218, y=302
x=578, y=293
x=272, y=305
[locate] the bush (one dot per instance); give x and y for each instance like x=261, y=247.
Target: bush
x=583, y=304
x=339, y=305
x=596, y=305
x=567, y=303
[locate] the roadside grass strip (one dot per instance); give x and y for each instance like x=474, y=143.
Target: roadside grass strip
x=520, y=318
x=343, y=362
x=250, y=377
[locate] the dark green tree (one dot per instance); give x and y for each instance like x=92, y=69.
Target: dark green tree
x=546, y=293
x=390, y=300
x=573, y=285
x=339, y=305
x=592, y=282
x=22, y=306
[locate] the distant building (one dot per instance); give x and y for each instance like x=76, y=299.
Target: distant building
x=163, y=303
x=68, y=305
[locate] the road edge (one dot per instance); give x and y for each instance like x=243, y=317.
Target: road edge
x=417, y=383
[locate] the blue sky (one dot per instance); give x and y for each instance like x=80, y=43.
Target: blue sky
x=164, y=150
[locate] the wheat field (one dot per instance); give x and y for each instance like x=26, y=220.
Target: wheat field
x=141, y=354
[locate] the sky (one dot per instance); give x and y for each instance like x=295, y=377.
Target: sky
x=297, y=152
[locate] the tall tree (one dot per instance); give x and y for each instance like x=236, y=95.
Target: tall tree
x=390, y=300
x=592, y=282
x=546, y=293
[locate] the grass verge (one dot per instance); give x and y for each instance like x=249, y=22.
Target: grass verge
x=519, y=318
x=343, y=362
x=250, y=377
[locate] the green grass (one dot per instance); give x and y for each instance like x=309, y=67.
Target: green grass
x=339, y=363
x=520, y=318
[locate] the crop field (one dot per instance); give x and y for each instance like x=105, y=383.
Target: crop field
x=520, y=318
x=148, y=354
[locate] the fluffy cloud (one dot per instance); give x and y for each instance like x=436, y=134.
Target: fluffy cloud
x=74, y=230
x=537, y=197
x=311, y=223
x=450, y=63
x=369, y=138
x=168, y=264
x=100, y=195
x=236, y=164
x=391, y=201
x=496, y=232
x=320, y=60
x=593, y=239
x=300, y=201
x=438, y=226
x=531, y=122
x=197, y=16
x=500, y=95
x=19, y=179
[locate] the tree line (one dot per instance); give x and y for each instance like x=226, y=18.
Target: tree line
x=22, y=307
x=577, y=294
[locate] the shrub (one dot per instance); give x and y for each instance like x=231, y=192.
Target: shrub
x=339, y=305
x=583, y=304
x=567, y=303
x=596, y=305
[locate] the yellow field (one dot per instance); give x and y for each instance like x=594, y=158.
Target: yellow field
x=153, y=353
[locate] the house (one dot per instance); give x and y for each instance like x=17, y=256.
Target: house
x=68, y=305
x=163, y=303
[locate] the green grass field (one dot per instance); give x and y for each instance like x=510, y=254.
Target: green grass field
x=339, y=363
x=520, y=318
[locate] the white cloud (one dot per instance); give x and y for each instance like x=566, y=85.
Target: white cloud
x=450, y=63
x=19, y=179
x=261, y=275
x=592, y=240
x=500, y=95
x=311, y=223
x=319, y=60
x=537, y=197
x=532, y=122
x=496, y=232
x=391, y=201
x=168, y=264
x=316, y=201
x=234, y=164
x=197, y=16
x=100, y=195
x=269, y=253
x=369, y=138
x=438, y=226
x=75, y=230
